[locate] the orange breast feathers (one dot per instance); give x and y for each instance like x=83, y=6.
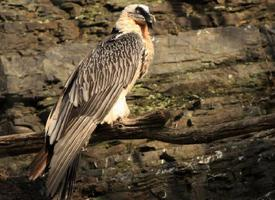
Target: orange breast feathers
x=147, y=39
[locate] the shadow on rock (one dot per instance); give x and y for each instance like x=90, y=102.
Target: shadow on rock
x=20, y=188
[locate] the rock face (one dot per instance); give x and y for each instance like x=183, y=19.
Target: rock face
x=214, y=61
x=42, y=42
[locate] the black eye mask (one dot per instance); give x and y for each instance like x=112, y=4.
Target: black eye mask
x=146, y=15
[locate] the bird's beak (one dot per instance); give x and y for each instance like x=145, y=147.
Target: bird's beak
x=150, y=20
x=144, y=17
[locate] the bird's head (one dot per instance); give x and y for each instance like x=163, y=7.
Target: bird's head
x=140, y=14
x=135, y=16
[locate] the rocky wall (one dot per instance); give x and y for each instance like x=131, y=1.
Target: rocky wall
x=214, y=61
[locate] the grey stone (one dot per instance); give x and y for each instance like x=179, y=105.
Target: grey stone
x=190, y=50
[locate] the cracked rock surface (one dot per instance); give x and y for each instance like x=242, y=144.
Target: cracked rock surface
x=214, y=62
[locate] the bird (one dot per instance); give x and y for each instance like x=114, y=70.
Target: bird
x=94, y=94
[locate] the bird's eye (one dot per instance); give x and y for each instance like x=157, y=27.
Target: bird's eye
x=138, y=10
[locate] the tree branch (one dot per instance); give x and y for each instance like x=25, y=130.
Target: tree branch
x=152, y=126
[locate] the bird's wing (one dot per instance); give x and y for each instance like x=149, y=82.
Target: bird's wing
x=114, y=62
x=87, y=98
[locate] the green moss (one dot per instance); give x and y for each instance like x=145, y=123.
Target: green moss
x=149, y=100
x=123, y=3
x=140, y=90
x=91, y=11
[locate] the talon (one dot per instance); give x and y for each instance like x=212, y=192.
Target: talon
x=122, y=120
x=119, y=120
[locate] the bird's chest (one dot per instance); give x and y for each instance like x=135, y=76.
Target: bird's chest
x=118, y=110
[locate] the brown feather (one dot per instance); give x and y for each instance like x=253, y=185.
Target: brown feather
x=38, y=165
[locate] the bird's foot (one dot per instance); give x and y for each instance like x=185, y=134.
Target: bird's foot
x=120, y=120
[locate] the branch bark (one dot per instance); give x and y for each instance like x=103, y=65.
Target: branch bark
x=152, y=126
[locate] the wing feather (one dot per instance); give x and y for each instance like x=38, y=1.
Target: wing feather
x=88, y=96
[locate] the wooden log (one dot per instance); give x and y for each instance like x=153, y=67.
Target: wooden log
x=152, y=126
x=16, y=144
x=223, y=169
x=143, y=129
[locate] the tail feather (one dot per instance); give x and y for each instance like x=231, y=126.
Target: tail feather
x=61, y=159
x=66, y=187
x=38, y=165
x=62, y=168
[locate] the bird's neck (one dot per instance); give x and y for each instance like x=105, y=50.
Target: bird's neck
x=147, y=39
x=127, y=25
x=149, y=48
